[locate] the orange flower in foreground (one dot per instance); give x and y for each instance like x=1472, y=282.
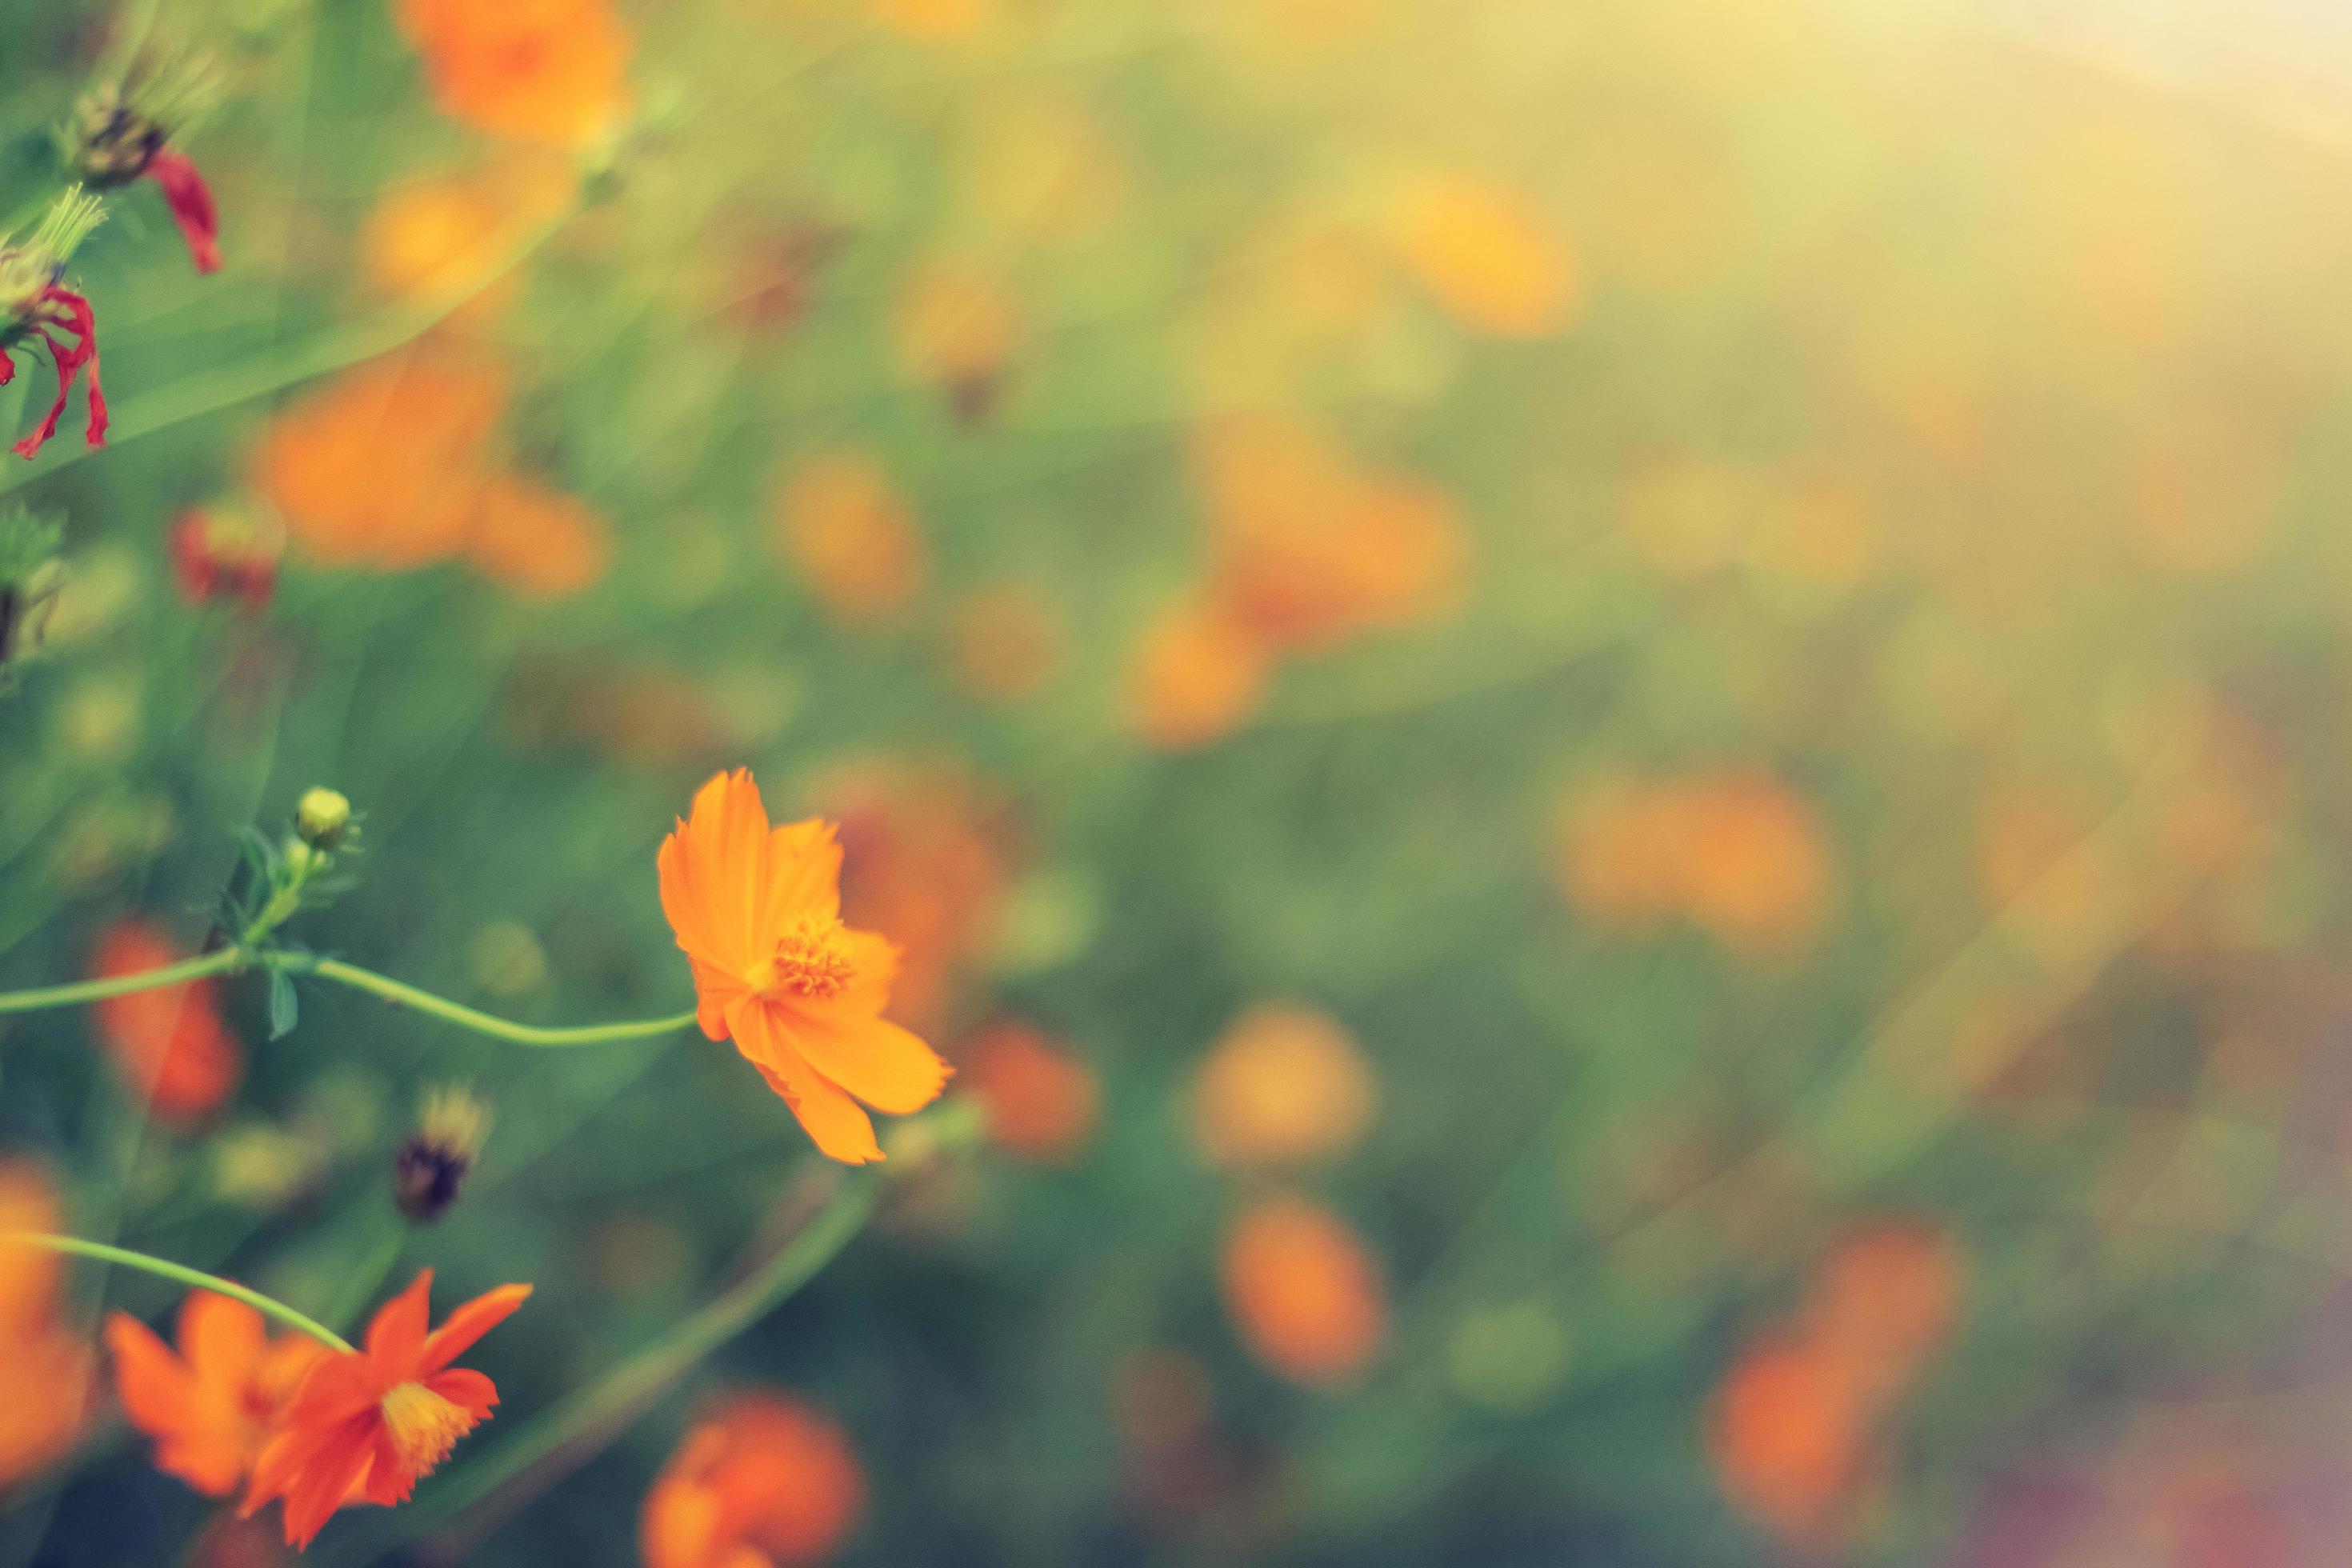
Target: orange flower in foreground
x=1285, y=1084
x=764, y=1482
x=211, y=1405
x=553, y=71
x=1041, y=1101
x=844, y=525
x=372, y=1422
x=381, y=467
x=758, y=911
x=168, y=1046
x=1302, y=1292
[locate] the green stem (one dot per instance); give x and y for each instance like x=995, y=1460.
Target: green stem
x=191, y=1276
x=481, y=1022
x=225, y=959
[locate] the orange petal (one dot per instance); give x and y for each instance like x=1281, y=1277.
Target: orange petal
x=339, y=1386
x=804, y=873
x=465, y=1387
x=872, y=1058
x=223, y=1339
x=156, y=1388
x=469, y=1323
x=325, y=1479
x=841, y=1130
x=396, y=1335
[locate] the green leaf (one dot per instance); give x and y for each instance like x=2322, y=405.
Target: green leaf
x=283, y=1006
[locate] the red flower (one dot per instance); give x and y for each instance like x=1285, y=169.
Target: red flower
x=56, y=309
x=192, y=206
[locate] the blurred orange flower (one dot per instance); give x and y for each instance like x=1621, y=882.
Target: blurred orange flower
x=1308, y=548
x=553, y=71
x=758, y=911
x=168, y=1046
x=842, y=522
x=1789, y=1435
x=954, y=328
x=1039, y=1099
x=1285, y=1084
x=933, y=21
x=212, y=1406
x=1484, y=255
x=434, y=241
x=1302, y=1292
x=371, y=1423
x=1794, y=1427
x=380, y=467
x=1198, y=677
x=762, y=1482
x=47, y=1368
x=1739, y=854
x=540, y=542
x=930, y=852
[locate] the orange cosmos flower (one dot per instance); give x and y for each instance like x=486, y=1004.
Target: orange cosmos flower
x=371, y=1422
x=764, y=1482
x=437, y=241
x=211, y=1405
x=758, y=911
x=1285, y=1084
x=1040, y=1100
x=553, y=71
x=168, y=1045
x=1303, y=1290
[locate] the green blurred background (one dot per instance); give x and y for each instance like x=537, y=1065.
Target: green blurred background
x=1734, y=611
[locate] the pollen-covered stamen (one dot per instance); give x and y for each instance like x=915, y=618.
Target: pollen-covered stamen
x=424, y=1426
x=812, y=959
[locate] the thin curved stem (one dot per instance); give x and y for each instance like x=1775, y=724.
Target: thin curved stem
x=226, y=958
x=481, y=1022
x=268, y=1305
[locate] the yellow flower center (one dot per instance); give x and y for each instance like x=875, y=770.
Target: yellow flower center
x=424, y=1426
x=811, y=960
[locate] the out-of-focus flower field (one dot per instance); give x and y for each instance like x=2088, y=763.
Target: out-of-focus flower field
x=1610, y=739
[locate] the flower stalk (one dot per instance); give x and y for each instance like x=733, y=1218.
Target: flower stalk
x=270, y=1306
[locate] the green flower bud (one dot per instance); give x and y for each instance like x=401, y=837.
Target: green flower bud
x=323, y=816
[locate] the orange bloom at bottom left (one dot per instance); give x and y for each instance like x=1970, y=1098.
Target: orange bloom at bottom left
x=372, y=1422
x=211, y=1404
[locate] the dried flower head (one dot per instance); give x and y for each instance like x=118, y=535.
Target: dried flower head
x=433, y=1165
x=35, y=303
x=124, y=128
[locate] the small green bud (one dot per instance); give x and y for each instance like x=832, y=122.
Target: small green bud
x=323, y=816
